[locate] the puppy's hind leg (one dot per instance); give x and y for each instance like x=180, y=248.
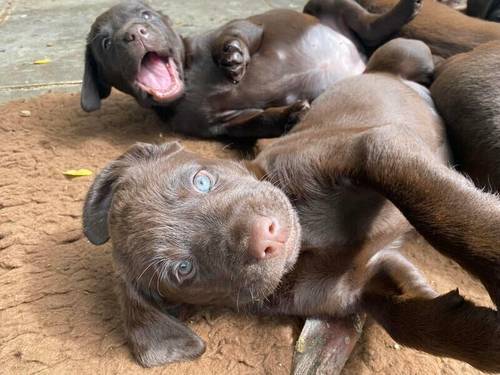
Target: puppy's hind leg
x=448, y=325
x=372, y=29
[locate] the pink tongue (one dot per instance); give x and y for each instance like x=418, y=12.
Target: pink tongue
x=154, y=73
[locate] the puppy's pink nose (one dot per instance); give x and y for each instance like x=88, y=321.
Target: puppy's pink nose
x=267, y=238
x=135, y=32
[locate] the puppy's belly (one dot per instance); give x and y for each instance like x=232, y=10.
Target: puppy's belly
x=280, y=74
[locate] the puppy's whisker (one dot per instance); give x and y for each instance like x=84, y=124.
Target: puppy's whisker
x=154, y=273
x=155, y=259
x=161, y=269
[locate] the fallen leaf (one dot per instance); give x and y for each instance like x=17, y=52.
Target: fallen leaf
x=41, y=62
x=300, y=345
x=73, y=173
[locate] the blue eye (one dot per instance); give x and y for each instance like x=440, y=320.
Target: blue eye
x=202, y=182
x=185, y=267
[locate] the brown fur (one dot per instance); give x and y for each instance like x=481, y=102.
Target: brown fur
x=146, y=201
x=445, y=30
x=467, y=94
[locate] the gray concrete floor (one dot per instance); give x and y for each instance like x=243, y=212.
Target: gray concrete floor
x=56, y=30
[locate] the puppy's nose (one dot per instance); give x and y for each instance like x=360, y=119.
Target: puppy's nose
x=267, y=238
x=135, y=32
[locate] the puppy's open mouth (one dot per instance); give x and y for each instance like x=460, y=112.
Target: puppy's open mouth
x=159, y=77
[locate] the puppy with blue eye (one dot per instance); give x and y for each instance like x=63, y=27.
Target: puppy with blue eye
x=189, y=230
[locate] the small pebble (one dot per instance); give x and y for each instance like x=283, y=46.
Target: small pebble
x=50, y=44
x=25, y=113
x=397, y=346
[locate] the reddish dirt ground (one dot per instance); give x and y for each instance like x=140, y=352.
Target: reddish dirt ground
x=58, y=311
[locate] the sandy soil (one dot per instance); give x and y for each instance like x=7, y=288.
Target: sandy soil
x=58, y=312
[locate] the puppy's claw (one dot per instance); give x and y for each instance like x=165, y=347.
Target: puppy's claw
x=296, y=112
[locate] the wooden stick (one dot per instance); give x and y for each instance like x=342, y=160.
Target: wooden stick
x=324, y=345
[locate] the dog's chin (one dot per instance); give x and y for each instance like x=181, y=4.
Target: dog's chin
x=259, y=289
x=159, y=80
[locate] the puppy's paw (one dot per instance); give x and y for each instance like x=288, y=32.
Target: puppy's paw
x=233, y=59
x=296, y=113
x=175, y=350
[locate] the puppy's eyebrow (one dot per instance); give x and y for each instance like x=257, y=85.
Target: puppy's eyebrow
x=92, y=36
x=98, y=34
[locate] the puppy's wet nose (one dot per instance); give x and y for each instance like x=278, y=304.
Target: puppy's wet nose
x=135, y=32
x=267, y=238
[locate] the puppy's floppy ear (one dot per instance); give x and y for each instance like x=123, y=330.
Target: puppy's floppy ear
x=100, y=195
x=155, y=337
x=93, y=87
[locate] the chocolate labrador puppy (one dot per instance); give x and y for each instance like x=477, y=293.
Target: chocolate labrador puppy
x=250, y=78
x=311, y=227
x=467, y=94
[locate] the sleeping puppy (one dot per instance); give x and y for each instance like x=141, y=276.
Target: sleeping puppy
x=293, y=232
x=250, y=78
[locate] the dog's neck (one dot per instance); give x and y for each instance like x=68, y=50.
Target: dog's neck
x=187, y=52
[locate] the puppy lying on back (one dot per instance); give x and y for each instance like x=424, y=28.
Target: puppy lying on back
x=191, y=230
x=251, y=77
x=467, y=94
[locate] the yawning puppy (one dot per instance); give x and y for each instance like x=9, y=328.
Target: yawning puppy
x=251, y=77
x=133, y=48
x=191, y=230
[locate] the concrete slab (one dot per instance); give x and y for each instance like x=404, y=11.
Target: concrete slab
x=55, y=30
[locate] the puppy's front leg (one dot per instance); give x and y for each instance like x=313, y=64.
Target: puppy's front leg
x=259, y=123
x=456, y=218
x=233, y=47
